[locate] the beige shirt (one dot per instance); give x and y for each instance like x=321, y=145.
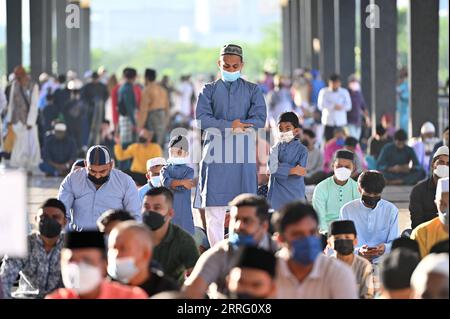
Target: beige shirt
x=154, y=97
x=329, y=279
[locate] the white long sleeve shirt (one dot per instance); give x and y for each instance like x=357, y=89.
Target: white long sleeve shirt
x=326, y=103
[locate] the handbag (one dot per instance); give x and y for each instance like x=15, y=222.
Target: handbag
x=10, y=138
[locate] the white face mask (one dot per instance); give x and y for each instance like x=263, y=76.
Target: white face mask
x=82, y=278
x=342, y=174
x=441, y=171
x=286, y=137
x=122, y=269
x=177, y=160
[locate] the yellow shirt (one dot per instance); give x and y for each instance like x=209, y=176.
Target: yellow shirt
x=140, y=153
x=428, y=234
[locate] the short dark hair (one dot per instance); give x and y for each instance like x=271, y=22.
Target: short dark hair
x=106, y=122
x=56, y=203
x=167, y=193
x=111, y=216
x=95, y=75
x=372, y=182
x=293, y=213
x=310, y=133
x=62, y=78
x=351, y=141
x=405, y=243
x=150, y=74
x=380, y=130
x=334, y=77
x=252, y=200
x=289, y=117
x=129, y=73
x=400, y=135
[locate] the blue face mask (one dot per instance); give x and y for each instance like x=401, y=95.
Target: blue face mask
x=305, y=250
x=340, y=142
x=238, y=240
x=177, y=160
x=230, y=76
x=155, y=181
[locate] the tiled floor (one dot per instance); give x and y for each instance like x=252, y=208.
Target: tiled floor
x=41, y=188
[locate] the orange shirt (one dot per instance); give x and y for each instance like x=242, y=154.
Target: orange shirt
x=109, y=290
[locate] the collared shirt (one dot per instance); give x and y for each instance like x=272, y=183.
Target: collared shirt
x=421, y=202
x=108, y=290
x=373, y=226
x=85, y=203
x=329, y=197
x=39, y=271
x=214, y=264
x=176, y=252
x=363, y=271
x=326, y=103
x=429, y=234
x=329, y=279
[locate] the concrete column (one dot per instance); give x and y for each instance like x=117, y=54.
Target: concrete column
x=40, y=37
x=326, y=36
x=305, y=34
x=286, y=38
x=85, y=41
x=383, y=54
x=61, y=36
x=365, y=53
x=344, y=13
x=294, y=8
x=423, y=64
x=314, y=34
x=13, y=34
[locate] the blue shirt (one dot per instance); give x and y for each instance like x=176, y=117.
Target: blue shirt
x=373, y=226
x=143, y=190
x=181, y=196
x=219, y=104
x=392, y=155
x=85, y=204
x=285, y=188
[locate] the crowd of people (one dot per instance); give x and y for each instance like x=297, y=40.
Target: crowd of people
x=136, y=216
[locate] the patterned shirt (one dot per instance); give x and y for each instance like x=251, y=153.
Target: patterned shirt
x=40, y=272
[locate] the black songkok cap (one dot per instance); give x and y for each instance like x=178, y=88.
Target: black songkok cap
x=342, y=227
x=344, y=154
x=253, y=257
x=84, y=239
x=397, y=268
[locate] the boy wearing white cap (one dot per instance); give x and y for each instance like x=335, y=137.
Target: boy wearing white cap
x=423, y=145
x=154, y=166
x=430, y=233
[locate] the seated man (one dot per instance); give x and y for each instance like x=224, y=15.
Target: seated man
x=129, y=259
x=140, y=153
x=423, y=145
x=83, y=271
x=303, y=271
x=252, y=275
x=174, y=249
x=351, y=144
x=394, y=162
x=430, y=233
x=421, y=201
x=249, y=225
x=376, y=144
x=40, y=272
x=395, y=271
x=430, y=278
x=314, y=163
x=154, y=167
x=59, y=152
x=376, y=220
x=111, y=218
x=342, y=240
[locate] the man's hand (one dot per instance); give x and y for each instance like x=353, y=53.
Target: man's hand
x=404, y=168
x=298, y=170
x=394, y=169
x=238, y=125
x=188, y=183
x=367, y=253
x=381, y=248
x=338, y=107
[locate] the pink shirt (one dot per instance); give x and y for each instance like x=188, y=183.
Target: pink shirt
x=109, y=290
x=332, y=147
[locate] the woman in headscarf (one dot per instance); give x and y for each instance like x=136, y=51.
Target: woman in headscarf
x=22, y=115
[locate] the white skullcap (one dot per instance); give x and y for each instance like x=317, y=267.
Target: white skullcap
x=433, y=263
x=443, y=150
x=60, y=127
x=155, y=162
x=427, y=127
x=442, y=186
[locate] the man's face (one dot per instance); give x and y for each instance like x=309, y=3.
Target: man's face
x=244, y=220
x=441, y=160
x=437, y=287
x=284, y=127
x=333, y=238
x=158, y=204
x=334, y=85
x=427, y=135
x=126, y=244
x=442, y=202
x=99, y=171
x=230, y=63
x=400, y=144
x=299, y=230
x=154, y=171
x=90, y=256
x=342, y=162
x=252, y=282
x=177, y=152
x=60, y=134
x=52, y=213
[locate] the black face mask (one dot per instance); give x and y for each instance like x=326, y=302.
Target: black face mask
x=344, y=246
x=142, y=140
x=370, y=201
x=98, y=181
x=153, y=220
x=49, y=227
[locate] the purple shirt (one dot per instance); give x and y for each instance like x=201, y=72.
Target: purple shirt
x=358, y=106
